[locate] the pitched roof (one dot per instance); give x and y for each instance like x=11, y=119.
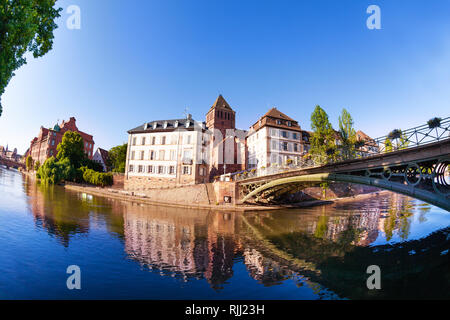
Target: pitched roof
x=275, y=113
x=364, y=136
x=165, y=125
x=103, y=153
x=221, y=103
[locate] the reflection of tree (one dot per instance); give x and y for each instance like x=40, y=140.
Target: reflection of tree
x=399, y=213
x=424, y=208
x=64, y=214
x=322, y=226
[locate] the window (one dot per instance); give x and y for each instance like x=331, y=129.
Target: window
x=149, y=169
x=278, y=121
x=172, y=155
x=130, y=168
x=140, y=169
x=284, y=134
x=163, y=140
x=285, y=146
x=295, y=147
x=187, y=154
x=174, y=139
x=274, y=145
x=134, y=141
x=274, y=158
x=151, y=155
x=186, y=170
x=188, y=139
x=202, y=171
x=143, y=141
x=153, y=140
x=142, y=155
x=132, y=155
x=171, y=169
x=161, y=155
x=294, y=135
x=161, y=169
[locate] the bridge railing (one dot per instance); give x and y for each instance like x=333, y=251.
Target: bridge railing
x=410, y=138
x=396, y=140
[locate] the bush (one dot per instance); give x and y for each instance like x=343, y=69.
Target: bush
x=434, y=123
x=91, y=164
x=29, y=162
x=50, y=172
x=97, y=178
x=37, y=164
x=395, y=134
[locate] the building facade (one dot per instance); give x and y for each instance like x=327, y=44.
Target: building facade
x=184, y=151
x=275, y=139
x=45, y=144
x=11, y=155
x=166, y=153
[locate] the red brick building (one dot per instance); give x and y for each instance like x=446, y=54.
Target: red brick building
x=222, y=117
x=44, y=145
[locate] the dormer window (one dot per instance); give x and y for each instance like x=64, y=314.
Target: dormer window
x=165, y=125
x=155, y=124
x=289, y=124
x=278, y=121
x=188, y=123
x=176, y=124
x=146, y=126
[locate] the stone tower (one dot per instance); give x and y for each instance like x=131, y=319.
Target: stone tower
x=221, y=117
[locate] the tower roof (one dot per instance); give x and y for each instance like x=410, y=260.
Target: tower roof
x=221, y=103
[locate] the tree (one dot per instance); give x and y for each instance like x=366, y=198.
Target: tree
x=387, y=145
x=323, y=138
x=72, y=148
x=37, y=165
x=348, y=135
x=117, y=158
x=29, y=163
x=25, y=26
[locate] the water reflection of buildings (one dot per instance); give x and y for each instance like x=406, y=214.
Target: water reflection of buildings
x=184, y=244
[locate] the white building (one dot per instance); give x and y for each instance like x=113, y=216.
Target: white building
x=166, y=153
x=275, y=139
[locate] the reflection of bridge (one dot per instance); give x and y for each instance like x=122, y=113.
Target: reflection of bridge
x=419, y=170
x=11, y=164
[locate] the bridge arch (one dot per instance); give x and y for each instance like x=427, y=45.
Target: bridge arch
x=440, y=199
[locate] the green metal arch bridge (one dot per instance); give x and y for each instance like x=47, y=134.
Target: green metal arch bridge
x=419, y=168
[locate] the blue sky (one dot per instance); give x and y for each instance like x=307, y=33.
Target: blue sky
x=141, y=60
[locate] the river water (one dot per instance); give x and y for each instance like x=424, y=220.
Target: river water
x=127, y=250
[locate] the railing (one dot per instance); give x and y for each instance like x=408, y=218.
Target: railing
x=395, y=141
x=414, y=137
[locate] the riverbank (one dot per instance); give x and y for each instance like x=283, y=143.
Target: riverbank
x=131, y=196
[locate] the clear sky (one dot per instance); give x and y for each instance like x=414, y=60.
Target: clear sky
x=141, y=60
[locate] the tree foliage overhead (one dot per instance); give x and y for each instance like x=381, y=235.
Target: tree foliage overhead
x=323, y=137
x=348, y=135
x=117, y=158
x=25, y=26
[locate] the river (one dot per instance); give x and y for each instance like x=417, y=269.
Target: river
x=128, y=250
